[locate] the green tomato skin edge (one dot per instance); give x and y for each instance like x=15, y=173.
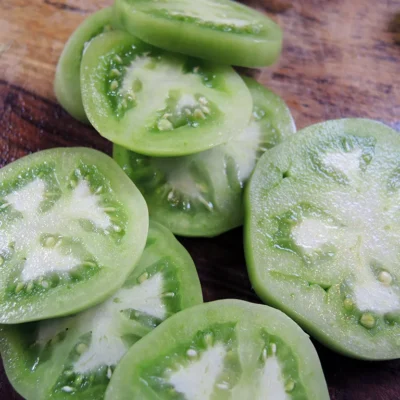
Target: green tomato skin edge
x=67, y=87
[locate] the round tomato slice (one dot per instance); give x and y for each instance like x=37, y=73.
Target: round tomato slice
x=227, y=349
x=157, y=103
x=67, y=85
x=222, y=31
x=201, y=194
x=72, y=227
x=322, y=234
x=76, y=356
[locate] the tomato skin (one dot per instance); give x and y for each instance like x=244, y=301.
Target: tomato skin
x=67, y=86
x=56, y=301
x=318, y=308
x=244, y=50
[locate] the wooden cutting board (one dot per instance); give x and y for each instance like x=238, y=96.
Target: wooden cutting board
x=341, y=58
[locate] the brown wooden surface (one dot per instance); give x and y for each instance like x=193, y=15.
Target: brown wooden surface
x=341, y=58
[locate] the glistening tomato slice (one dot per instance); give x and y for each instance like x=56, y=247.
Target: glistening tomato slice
x=72, y=227
x=74, y=357
x=157, y=103
x=222, y=31
x=226, y=349
x=322, y=233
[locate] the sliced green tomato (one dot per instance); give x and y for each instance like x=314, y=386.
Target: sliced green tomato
x=67, y=85
x=201, y=194
x=227, y=349
x=74, y=357
x=219, y=30
x=158, y=103
x=72, y=227
x=322, y=233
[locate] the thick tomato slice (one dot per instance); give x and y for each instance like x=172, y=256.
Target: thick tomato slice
x=157, y=103
x=322, y=234
x=72, y=228
x=222, y=31
x=227, y=349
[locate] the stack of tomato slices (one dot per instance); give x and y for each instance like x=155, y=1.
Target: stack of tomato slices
x=155, y=79
x=99, y=301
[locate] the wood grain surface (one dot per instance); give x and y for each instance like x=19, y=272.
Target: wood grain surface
x=341, y=58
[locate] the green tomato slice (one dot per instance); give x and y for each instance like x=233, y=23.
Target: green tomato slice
x=72, y=227
x=322, y=233
x=74, y=357
x=67, y=85
x=202, y=194
x=225, y=350
x=222, y=31
x=158, y=103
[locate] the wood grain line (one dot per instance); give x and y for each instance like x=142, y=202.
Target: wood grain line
x=25, y=126
x=66, y=7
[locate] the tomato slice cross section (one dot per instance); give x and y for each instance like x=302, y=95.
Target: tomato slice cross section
x=222, y=31
x=158, y=103
x=227, y=349
x=322, y=232
x=73, y=227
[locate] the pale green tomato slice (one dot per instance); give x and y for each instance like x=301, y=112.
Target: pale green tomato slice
x=224, y=350
x=72, y=227
x=322, y=232
x=158, y=103
x=222, y=31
